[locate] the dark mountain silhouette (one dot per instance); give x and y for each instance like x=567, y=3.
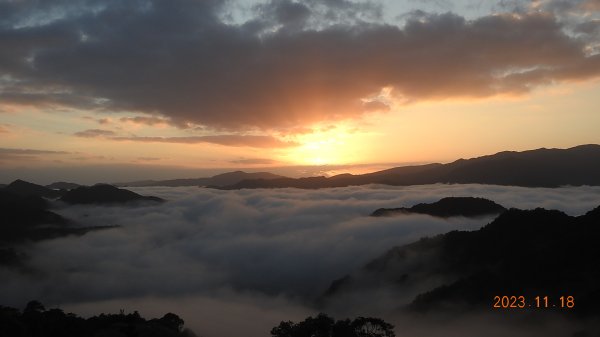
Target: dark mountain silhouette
x=26, y=211
x=139, y=183
x=104, y=194
x=21, y=187
x=61, y=185
x=578, y=165
x=235, y=177
x=447, y=207
x=36, y=321
x=224, y=179
x=522, y=252
x=27, y=218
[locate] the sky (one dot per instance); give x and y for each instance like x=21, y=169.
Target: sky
x=108, y=90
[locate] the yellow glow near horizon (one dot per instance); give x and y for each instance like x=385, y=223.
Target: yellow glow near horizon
x=319, y=152
x=328, y=146
x=422, y=132
x=441, y=131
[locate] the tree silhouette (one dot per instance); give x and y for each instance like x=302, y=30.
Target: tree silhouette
x=325, y=326
x=34, y=307
x=36, y=321
x=172, y=321
x=372, y=327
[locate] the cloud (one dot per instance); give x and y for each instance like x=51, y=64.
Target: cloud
x=93, y=133
x=591, y=5
x=101, y=121
x=145, y=120
x=265, y=253
x=26, y=152
x=12, y=156
x=256, y=141
x=89, y=158
x=218, y=312
x=254, y=161
x=225, y=140
x=149, y=158
x=376, y=106
x=289, y=64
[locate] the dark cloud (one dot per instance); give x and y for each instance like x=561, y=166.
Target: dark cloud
x=590, y=27
x=256, y=141
x=293, y=63
x=289, y=16
x=226, y=140
x=293, y=15
x=93, y=133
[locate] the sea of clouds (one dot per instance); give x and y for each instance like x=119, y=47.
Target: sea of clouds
x=242, y=261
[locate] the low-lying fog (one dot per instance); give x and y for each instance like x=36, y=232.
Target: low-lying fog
x=234, y=263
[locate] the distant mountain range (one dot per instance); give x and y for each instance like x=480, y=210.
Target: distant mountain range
x=225, y=179
x=522, y=253
x=576, y=166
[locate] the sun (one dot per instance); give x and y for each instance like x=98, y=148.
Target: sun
x=324, y=146
x=320, y=152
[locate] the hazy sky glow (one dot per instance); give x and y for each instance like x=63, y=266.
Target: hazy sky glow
x=200, y=86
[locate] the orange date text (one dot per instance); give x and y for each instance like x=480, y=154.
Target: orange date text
x=523, y=302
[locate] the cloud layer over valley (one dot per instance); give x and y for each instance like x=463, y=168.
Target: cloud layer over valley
x=249, y=248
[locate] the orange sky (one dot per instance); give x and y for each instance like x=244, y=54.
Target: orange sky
x=285, y=86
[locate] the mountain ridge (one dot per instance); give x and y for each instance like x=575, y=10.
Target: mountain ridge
x=104, y=194
x=579, y=165
x=25, y=188
x=447, y=207
x=223, y=179
x=521, y=252
x=542, y=167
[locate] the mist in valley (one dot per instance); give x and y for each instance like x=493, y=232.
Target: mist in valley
x=239, y=262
